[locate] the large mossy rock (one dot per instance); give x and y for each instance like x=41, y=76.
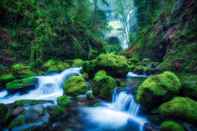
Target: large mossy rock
x=55, y=66
x=18, y=121
x=103, y=85
x=181, y=108
x=157, y=89
x=5, y=78
x=75, y=85
x=22, y=84
x=115, y=65
x=171, y=126
x=21, y=71
x=77, y=63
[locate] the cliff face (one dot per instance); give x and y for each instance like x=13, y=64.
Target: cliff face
x=168, y=33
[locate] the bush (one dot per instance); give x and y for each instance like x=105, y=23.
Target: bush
x=171, y=126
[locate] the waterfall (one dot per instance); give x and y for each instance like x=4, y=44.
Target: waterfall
x=48, y=88
x=121, y=18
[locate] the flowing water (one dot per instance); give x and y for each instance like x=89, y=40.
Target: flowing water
x=48, y=88
x=119, y=115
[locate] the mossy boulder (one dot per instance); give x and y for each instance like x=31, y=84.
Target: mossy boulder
x=5, y=78
x=77, y=63
x=21, y=71
x=103, y=85
x=55, y=66
x=115, y=65
x=63, y=101
x=182, y=108
x=75, y=85
x=171, y=126
x=157, y=89
x=22, y=84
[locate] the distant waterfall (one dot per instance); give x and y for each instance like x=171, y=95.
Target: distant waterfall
x=121, y=18
x=48, y=88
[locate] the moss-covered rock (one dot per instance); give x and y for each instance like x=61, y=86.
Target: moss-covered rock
x=157, y=89
x=5, y=78
x=77, y=63
x=171, y=126
x=75, y=85
x=103, y=85
x=55, y=66
x=182, y=108
x=21, y=84
x=21, y=70
x=115, y=65
x=63, y=101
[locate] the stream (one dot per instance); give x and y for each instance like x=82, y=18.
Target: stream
x=119, y=115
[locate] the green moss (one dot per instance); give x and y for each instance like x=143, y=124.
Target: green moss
x=55, y=65
x=171, y=126
x=21, y=71
x=157, y=89
x=4, y=78
x=115, y=65
x=77, y=63
x=63, y=101
x=182, y=108
x=75, y=85
x=103, y=85
x=21, y=84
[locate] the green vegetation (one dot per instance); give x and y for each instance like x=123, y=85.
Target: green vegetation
x=182, y=108
x=75, y=85
x=55, y=66
x=158, y=88
x=19, y=121
x=171, y=126
x=103, y=85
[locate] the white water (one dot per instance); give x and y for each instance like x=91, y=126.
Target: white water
x=48, y=88
x=119, y=115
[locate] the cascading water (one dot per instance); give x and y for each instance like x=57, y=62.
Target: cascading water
x=120, y=115
x=48, y=88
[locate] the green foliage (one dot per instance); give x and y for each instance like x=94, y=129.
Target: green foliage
x=103, y=85
x=180, y=108
x=171, y=126
x=157, y=89
x=75, y=85
x=21, y=84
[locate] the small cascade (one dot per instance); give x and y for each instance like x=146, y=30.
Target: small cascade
x=125, y=102
x=48, y=88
